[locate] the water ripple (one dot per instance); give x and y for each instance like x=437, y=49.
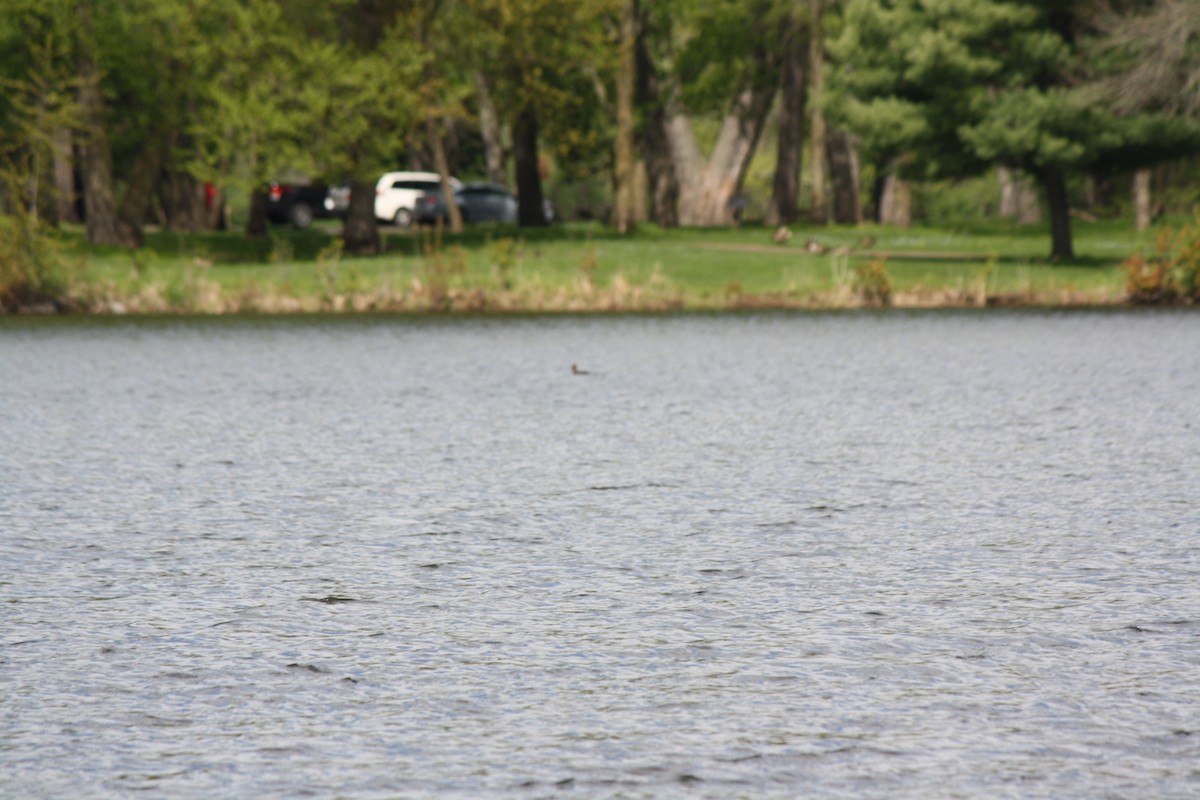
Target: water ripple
x=822, y=555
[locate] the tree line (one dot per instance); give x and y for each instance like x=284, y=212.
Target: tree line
x=127, y=112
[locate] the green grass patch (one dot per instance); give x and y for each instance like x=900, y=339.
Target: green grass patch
x=586, y=266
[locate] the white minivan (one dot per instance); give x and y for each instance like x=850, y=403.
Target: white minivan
x=396, y=194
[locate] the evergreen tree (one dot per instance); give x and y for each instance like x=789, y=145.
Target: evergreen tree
x=958, y=85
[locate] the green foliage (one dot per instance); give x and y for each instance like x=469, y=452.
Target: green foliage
x=27, y=27
x=37, y=99
x=719, y=43
x=150, y=84
x=1036, y=128
x=264, y=92
x=962, y=84
x=954, y=203
x=252, y=89
x=908, y=74
x=1171, y=273
x=250, y=74
x=872, y=283
x=557, y=58
x=32, y=265
x=1149, y=59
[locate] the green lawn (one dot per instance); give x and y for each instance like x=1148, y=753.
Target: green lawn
x=585, y=266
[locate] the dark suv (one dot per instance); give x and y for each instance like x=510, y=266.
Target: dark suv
x=478, y=202
x=299, y=205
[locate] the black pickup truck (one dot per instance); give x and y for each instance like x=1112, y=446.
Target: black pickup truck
x=299, y=205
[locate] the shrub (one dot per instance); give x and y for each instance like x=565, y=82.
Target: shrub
x=1171, y=273
x=872, y=282
x=38, y=101
x=31, y=263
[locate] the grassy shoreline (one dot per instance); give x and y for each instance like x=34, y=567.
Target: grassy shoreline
x=587, y=268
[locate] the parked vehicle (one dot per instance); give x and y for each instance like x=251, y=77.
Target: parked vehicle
x=478, y=202
x=397, y=194
x=298, y=205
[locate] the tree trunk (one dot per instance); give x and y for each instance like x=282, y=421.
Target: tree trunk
x=784, y=207
x=1141, y=198
x=625, y=215
x=1009, y=199
x=143, y=180
x=256, y=220
x=660, y=171
x=96, y=156
x=895, y=202
x=183, y=202
x=361, y=232
x=217, y=216
x=442, y=166
x=818, y=132
x=707, y=190
x=489, y=128
x=706, y=187
x=64, y=177
x=1055, y=182
x=1018, y=199
x=844, y=175
x=530, y=211
x=656, y=146
x=874, y=210
x=640, y=191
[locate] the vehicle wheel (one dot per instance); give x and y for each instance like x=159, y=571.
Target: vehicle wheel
x=403, y=218
x=301, y=216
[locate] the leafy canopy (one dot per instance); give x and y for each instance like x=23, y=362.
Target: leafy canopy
x=962, y=84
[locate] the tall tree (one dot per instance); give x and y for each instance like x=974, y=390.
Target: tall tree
x=1152, y=62
x=38, y=109
x=98, y=195
x=845, y=173
x=784, y=207
x=490, y=129
x=153, y=85
x=708, y=184
x=652, y=92
x=716, y=59
x=544, y=56
x=330, y=90
x=958, y=86
x=1155, y=52
x=440, y=93
x=818, y=132
x=626, y=90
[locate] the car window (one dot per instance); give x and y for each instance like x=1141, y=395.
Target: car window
x=420, y=185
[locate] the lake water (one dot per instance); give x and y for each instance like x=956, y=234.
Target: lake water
x=776, y=555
